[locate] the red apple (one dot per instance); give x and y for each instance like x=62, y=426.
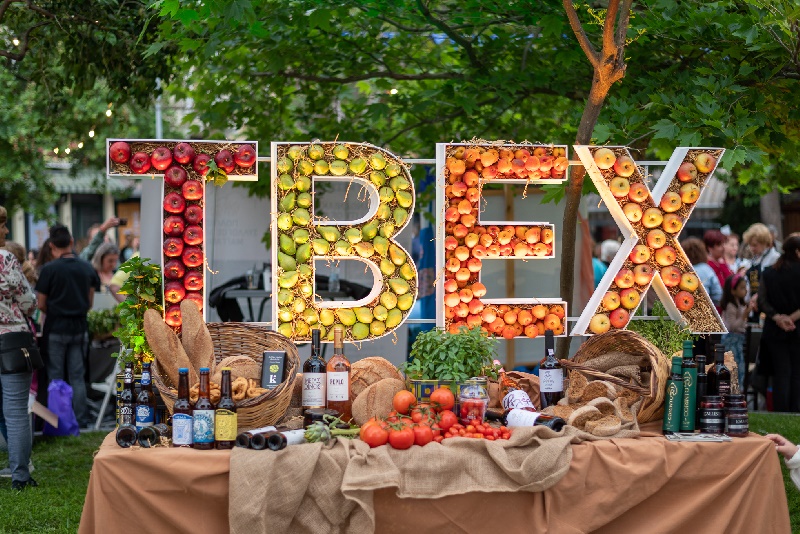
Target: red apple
x=624, y=278
x=193, y=281
x=624, y=166
x=604, y=158
x=642, y=274
x=173, y=247
x=684, y=300
x=638, y=192
x=689, y=193
x=671, y=202
x=174, y=291
x=656, y=238
x=629, y=298
x=599, y=323
x=120, y=152
x=619, y=318
x=183, y=153
x=687, y=172
x=173, y=316
x=173, y=226
x=640, y=254
x=671, y=276
x=193, y=235
x=245, y=156
x=192, y=257
x=194, y=213
x=224, y=160
x=689, y=282
x=174, y=203
x=195, y=297
x=175, y=176
x=161, y=158
x=611, y=300
x=200, y=164
x=705, y=162
x=192, y=190
x=140, y=163
x=174, y=270
x=665, y=256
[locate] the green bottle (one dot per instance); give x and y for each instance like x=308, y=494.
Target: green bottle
x=673, y=403
x=689, y=388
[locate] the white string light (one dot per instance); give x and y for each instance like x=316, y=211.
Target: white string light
x=66, y=151
x=393, y=92
x=15, y=41
x=55, y=150
x=91, y=133
x=80, y=145
x=108, y=113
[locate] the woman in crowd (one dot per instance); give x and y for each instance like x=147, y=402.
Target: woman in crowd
x=779, y=299
x=736, y=264
x=759, y=240
x=715, y=246
x=696, y=252
x=17, y=303
x=734, y=314
x=105, y=262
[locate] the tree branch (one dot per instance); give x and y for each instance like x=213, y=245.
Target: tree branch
x=365, y=76
x=23, y=43
x=452, y=34
x=609, y=44
x=577, y=29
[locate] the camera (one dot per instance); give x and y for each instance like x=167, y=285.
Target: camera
x=123, y=222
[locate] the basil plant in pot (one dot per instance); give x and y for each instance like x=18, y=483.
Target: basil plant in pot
x=441, y=358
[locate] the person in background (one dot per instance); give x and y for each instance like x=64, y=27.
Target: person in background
x=736, y=264
x=105, y=262
x=65, y=293
x=773, y=231
x=608, y=249
x=32, y=255
x=97, y=236
x=696, y=252
x=715, y=246
x=734, y=314
x=791, y=455
x=44, y=257
x=759, y=240
x=130, y=247
x=27, y=269
x=779, y=299
x=598, y=266
x=17, y=303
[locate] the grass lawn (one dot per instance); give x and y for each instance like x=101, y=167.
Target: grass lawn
x=63, y=465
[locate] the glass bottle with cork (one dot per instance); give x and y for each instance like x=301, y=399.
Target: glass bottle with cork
x=182, y=412
x=338, y=378
x=719, y=377
x=551, y=375
x=203, y=415
x=689, y=369
x=225, y=419
x=521, y=417
x=673, y=402
x=314, y=376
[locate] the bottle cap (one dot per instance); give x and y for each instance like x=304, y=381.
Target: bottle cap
x=688, y=344
x=204, y=370
x=225, y=369
x=183, y=370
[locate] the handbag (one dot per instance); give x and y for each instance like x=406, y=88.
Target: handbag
x=19, y=353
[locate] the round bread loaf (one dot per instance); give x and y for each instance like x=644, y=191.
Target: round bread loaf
x=243, y=366
x=376, y=400
x=563, y=411
x=603, y=404
x=371, y=370
x=605, y=426
x=595, y=389
x=577, y=383
x=582, y=415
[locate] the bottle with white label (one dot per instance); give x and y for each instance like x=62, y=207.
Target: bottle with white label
x=203, y=415
x=315, y=377
x=512, y=393
x=520, y=417
x=551, y=374
x=182, y=412
x=338, y=375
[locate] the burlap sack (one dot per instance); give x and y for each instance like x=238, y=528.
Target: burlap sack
x=317, y=488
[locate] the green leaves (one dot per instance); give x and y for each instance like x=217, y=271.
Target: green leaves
x=142, y=287
x=439, y=355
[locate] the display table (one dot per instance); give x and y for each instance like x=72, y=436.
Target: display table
x=619, y=485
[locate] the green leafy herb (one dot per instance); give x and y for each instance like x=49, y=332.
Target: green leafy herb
x=440, y=355
x=143, y=288
x=663, y=332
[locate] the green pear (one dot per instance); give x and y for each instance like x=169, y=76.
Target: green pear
x=286, y=330
x=298, y=306
x=387, y=229
x=326, y=316
x=400, y=216
x=393, y=169
x=370, y=230
x=307, y=289
x=305, y=270
x=377, y=161
x=360, y=331
x=363, y=314
x=399, y=183
x=342, y=248
x=404, y=199
x=388, y=300
x=305, y=167
x=364, y=249
x=285, y=182
x=358, y=165
x=310, y=316
x=321, y=167
x=397, y=255
x=287, y=202
x=285, y=165
x=377, y=178
x=346, y=316
x=301, y=217
x=353, y=235
x=377, y=328
x=329, y=337
x=341, y=152
x=303, y=183
x=287, y=244
x=300, y=236
x=304, y=200
x=285, y=315
x=386, y=194
x=286, y=262
x=321, y=247
x=399, y=286
x=407, y=271
x=404, y=302
x=302, y=329
x=316, y=152
x=387, y=267
x=329, y=233
x=395, y=318
x=284, y=221
x=380, y=312
x=303, y=253
x=295, y=152
x=322, y=331
x=285, y=296
x=339, y=168
x=288, y=279
x=384, y=211
x=381, y=245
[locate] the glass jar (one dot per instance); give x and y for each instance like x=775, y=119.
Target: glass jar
x=473, y=400
x=736, y=417
x=712, y=415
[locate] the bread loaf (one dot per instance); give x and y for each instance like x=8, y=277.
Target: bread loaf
x=243, y=366
x=603, y=404
x=582, y=415
x=368, y=371
x=376, y=400
x=195, y=338
x=167, y=348
x=605, y=426
x=622, y=409
x=577, y=383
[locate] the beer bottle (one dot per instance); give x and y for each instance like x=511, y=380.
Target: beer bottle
x=338, y=376
x=689, y=388
x=126, y=436
x=225, y=425
x=512, y=394
x=148, y=436
x=146, y=401
x=702, y=384
x=674, y=398
x=182, y=412
x=203, y=415
x=522, y=417
x=279, y=440
x=314, y=376
x=126, y=416
x=551, y=375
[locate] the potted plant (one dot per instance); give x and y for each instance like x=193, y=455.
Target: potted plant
x=143, y=288
x=442, y=358
x=102, y=323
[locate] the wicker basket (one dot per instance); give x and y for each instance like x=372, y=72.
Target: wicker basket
x=637, y=349
x=246, y=339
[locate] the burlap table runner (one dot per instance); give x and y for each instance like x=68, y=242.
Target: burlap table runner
x=329, y=488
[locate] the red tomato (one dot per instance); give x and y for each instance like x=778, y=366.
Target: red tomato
x=448, y=435
x=401, y=439
x=403, y=401
x=490, y=438
x=443, y=399
x=438, y=439
x=447, y=419
x=373, y=435
x=422, y=435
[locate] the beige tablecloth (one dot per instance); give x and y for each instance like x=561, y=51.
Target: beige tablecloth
x=620, y=485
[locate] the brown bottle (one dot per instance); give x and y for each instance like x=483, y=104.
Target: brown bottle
x=182, y=412
x=203, y=415
x=338, y=377
x=225, y=421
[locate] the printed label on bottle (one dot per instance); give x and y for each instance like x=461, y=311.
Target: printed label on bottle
x=128, y=376
x=126, y=414
x=295, y=437
x=338, y=386
x=724, y=388
x=145, y=416
x=182, y=429
x=314, y=389
x=521, y=418
x=517, y=399
x=225, y=425
x=145, y=379
x=203, y=426
x=551, y=380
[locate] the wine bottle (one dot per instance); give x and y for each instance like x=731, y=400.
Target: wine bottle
x=512, y=394
x=338, y=377
x=551, y=375
x=203, y=415
x=702, y=384
x=314, y=376
x=689, y=388
x=182, y=426
x=719, y=377
x=279, y=440
x=245, y=439
x=674, y=398
x=520, y=417
x=225, y=419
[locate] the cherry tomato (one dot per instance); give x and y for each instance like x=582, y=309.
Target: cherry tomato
x=447, y=419
x=438, y=439
x=490, y=438
x=402, y=438
x=403, y=401
x=505, y=435
x=422, y=435
x=373, y=435
x=443, y=399
x=470, y=429
x=479, y=428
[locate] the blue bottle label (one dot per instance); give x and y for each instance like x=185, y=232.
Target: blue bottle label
x=203, y=427
x=145, y=416
x=182, y=429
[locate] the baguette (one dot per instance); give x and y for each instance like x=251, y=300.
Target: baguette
x=167, y=348
x=195, y=337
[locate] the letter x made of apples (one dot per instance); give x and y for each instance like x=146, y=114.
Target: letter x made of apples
x=651, y=222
